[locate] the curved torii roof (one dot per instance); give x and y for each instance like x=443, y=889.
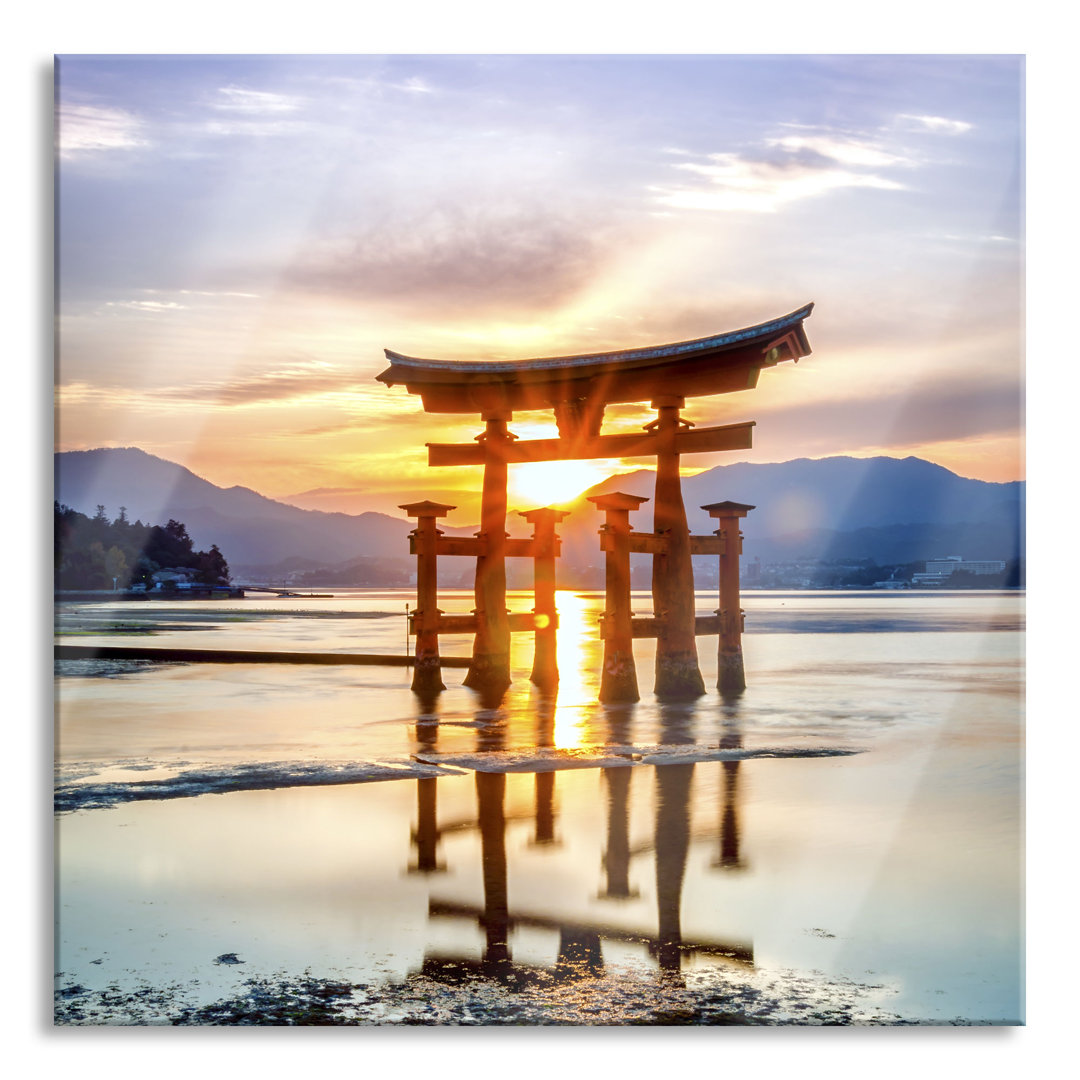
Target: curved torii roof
x=716, y=364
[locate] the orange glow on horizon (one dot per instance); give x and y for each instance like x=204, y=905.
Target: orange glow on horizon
x=555, y=483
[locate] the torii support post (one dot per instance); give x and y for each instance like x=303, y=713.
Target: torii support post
x=545, y=670
x=618, y=680
x=730, y=677
x=678, y=677
x=489, y=672
x=426, y=835
x=491, y=814
x=616, y=858
x=427, y=674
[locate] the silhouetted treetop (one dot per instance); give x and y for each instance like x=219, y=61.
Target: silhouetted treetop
x=93, y=553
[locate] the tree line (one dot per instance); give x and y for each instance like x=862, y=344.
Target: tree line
x=96, y=553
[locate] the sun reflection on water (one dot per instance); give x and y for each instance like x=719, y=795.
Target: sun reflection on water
x=578, y=656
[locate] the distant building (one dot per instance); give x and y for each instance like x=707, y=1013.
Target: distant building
x=938, y=571
x=175, y=575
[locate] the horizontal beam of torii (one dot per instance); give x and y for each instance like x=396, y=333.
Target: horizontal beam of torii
x=630, y=444
x=741, y=952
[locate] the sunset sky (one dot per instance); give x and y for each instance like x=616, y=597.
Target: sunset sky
x=239, y=238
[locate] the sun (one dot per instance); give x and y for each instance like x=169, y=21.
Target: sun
x=554, y=483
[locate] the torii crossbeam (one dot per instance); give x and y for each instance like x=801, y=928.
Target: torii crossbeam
x=578, y=388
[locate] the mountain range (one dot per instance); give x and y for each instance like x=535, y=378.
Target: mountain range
x=889, y=510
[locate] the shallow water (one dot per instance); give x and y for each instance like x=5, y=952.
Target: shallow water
x=849, y=825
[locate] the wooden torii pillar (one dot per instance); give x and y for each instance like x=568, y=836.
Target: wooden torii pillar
x=427, y=672
x=490, y=669
x=678, y=676
x=490, y=622
x=618, y=679
x=730, y=675
x=673, y=622
x=545, y=669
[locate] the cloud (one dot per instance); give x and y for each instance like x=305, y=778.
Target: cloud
x=239, y=99
x=936, y=124
x=373, y=86
x=370, y=409
x=212, y=293
x=238, y=110
x=737, y=183
x=985, y=238
x=322, y=491
x=930, y=412
x=289, y=383
x=414, y=85
x=153, y=306
x=93, y=129
x=297, y=383
x=846, y=151
x=326, y=429
x=805, y=163
x=251, y=126
x=454, y=256
x=204, y=292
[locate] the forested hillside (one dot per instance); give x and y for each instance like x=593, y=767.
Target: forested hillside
x=96, y=553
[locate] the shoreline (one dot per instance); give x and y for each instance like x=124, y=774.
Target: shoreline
x=568, y=995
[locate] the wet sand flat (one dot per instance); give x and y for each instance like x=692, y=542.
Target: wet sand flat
x=841, y=844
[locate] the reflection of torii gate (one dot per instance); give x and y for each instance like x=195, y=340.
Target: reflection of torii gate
x=577, y=389
x=580, y=948
x=580, y=941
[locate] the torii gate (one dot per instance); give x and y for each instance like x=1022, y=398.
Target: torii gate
x=577, y=389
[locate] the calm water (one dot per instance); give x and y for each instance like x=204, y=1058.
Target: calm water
x=851, y=825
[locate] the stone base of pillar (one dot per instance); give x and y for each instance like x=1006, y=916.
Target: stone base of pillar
x=545, y=671
x=545, y=679
x=489, y=674
x=730, y=674
x=678, y=677
x=618, y=680
x=668, y=956
x=427, y=677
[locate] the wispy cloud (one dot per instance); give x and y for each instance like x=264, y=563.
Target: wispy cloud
x=982, y=238
x=936, y=124
x=845, y=151
x=212, y=293
x=239, y=110
x=371, y=85
x=932, y=411
x=251, y=125
x=290, y=383
x=204, y=292
x=296, y=383
x=84, y=129
x=528, y=258
x=737, y=183
x=153, y=306
x=415, y=85
x=240, y=99
x=166, y=304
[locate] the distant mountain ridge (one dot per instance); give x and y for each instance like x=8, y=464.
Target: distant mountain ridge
x=886, y=509
x=882, y=508
x=248, y=527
